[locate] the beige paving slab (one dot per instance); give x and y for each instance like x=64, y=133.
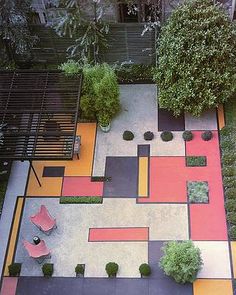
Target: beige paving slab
x=215, y=255
x=69, y=242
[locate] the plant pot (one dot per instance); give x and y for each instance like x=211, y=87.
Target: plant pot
x=105, y=128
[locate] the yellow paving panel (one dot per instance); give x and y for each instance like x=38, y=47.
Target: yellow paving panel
x=51, y=186
x=143, y=177
x=212, y=287
x=233, y=250
x=13, y=234
x=221, y=116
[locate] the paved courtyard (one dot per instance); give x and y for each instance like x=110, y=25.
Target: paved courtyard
x=144, y=204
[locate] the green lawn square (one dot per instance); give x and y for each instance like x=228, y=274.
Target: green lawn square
x=198, y=191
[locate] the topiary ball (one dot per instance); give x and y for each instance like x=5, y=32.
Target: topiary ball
x=207, y=135
x=145, y=269
x=112, y=269
x=148, y=135
x=166, y=135
x=187, y=135
x=128, y=135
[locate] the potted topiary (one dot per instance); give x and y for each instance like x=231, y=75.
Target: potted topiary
x=145, y=270
x=79, y=270
x=14, y=269
x=207, y=135
x=104, y=121
x=128, y=135
x=187, y=135
x=112, y=269
x=47, y=270
x=166, y=135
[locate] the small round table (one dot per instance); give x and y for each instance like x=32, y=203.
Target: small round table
x=36, y=240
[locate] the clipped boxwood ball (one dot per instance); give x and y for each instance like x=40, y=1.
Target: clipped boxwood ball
x=128, y=135
x=148, y=135
x=145, y=269
x=207, y=135
x=112, y=269
x=187, y=135
x=166, y=135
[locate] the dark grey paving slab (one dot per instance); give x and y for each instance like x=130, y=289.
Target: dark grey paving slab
x=143, y=150
x=124, y=174
x=99, y=286
x=132, y=286
x=53, y=171
x=160, y=283
x=167, y=121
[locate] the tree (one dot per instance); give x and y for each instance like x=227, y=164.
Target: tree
x=15, y=36
x=197, y=58
x=181, y=261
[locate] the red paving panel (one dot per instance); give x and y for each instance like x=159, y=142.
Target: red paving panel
x=118, y=234
x=9, y=285
x=81, y=186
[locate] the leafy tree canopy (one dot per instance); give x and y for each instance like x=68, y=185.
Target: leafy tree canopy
x=181, y=261
x=197, y=58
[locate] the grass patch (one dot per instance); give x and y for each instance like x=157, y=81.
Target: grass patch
x=198, y=191
x=81, y=200
x=197, y=161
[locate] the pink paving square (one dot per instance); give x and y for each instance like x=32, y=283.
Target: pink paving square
x=118, y=234
x=9, y=285
x=81, y=186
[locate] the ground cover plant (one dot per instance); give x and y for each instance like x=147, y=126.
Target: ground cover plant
x=81, y=200
x=181, y=261
x=198, y=191
x=198, y=32
x=195, y=161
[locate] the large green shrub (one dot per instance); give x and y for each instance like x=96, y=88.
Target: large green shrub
x=100, y=92
x=181, y=261
x=197, y=58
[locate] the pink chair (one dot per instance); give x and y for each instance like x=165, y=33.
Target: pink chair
x=43, y=220
x=38, y=252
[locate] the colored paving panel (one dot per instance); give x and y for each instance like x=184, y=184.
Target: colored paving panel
x=118, y=234
x=213, y=287
x=167, y=121
x=233, y=251
x=81, y=186
x=207, y=221
x=143, y=150
x=9, y=285
x=13, y=235
x=53, y=171
x=124, y=174
x=207, y=121
x=143, y=169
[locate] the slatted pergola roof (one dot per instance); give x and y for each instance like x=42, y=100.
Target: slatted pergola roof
x=39, y=111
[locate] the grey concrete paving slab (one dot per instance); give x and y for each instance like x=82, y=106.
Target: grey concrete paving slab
x=207, y=121
x=16, y=187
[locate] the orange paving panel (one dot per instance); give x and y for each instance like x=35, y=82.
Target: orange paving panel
x=233, y=251
x=118, y=234
x=9, y=285
x=13, y=234
x=75, y=167
x=221, y=116
x=143, y=177
x=212, y=287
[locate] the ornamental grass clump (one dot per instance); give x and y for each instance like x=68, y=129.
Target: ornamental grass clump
x=182, y=261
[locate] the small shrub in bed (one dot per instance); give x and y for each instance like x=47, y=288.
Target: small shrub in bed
x=145, y=270
x=47, y=270
x=187, y=135
x=128, y=135
x=148, y=135
x=207, y=135
x=166, y=135
x=79, y=269
x=192, y=161
x=14, y=269
x=112, y=269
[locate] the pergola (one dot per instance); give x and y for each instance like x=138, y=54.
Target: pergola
x=38, y=112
